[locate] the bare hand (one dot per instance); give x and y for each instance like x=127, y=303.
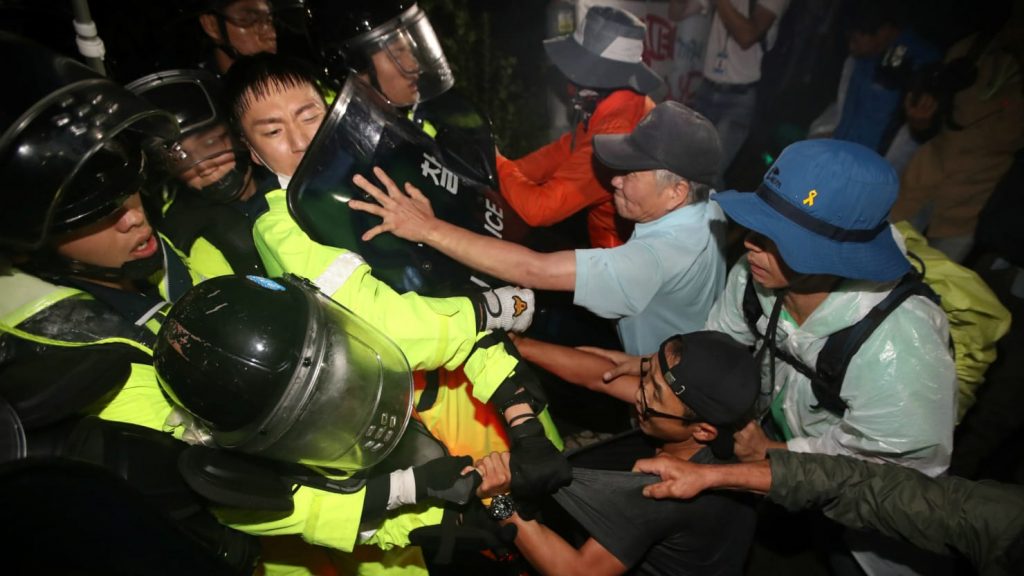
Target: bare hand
x=679, y=478
x=753, y=444
x=496, y=474
x=625, y=365
x=405, y=214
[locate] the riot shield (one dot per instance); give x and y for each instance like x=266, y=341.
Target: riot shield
x=362, y=131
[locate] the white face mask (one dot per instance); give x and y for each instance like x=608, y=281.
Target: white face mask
x=281, y=178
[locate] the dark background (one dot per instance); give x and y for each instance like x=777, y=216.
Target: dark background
x=494, y=47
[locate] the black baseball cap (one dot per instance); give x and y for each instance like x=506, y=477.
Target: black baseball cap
x=716, y=376
x=671, y=137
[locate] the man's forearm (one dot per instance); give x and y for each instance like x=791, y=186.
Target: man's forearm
x=544, y=549
x=577, y=367
x=749, y=476
x=501, y=259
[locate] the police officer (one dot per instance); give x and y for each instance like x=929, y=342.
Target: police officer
x=390, y=44
x=237, y=28
x=211, y=174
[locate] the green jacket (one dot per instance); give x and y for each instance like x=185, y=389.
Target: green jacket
x=984, y=521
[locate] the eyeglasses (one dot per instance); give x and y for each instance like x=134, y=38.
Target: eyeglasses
x=646, y=412
x=250, y=19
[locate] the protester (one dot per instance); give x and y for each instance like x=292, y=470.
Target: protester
x=608, y=84
x=696, y=389
x=983, y=521
x=662, y=281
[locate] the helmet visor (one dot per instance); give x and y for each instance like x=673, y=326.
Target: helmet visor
x=348, y=402
x=211, y=161
x=407, y=58
x=47, y=158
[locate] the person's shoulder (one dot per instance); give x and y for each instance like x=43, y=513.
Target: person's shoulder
x=618, y=112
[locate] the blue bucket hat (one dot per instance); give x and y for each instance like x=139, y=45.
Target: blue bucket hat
x=825, y=204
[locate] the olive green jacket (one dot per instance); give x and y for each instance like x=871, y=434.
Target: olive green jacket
x=983, y=521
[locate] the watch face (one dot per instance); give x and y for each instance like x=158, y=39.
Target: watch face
x=502, y=506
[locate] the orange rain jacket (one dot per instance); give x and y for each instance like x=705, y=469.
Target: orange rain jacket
x=554, y=182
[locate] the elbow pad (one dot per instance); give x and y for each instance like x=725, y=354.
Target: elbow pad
x=522, y=385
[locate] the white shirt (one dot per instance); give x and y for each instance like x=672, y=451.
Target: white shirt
x=725, y=62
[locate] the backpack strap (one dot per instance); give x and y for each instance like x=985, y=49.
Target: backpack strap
x=830, y=371
x=751, y=307
x=839, y=349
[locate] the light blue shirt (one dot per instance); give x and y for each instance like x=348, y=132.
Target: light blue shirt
x=661, y=282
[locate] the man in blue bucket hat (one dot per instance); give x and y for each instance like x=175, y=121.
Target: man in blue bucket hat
x=820, y=257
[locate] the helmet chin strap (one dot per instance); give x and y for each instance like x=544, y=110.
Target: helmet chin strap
x=50, y=264
x=371, y=74
x=225, y=45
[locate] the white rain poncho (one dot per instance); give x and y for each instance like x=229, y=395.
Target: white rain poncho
x=900, y=386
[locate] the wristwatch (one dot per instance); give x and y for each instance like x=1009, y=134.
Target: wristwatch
x=502, y=507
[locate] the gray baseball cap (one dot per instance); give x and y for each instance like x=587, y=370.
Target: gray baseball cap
x=605, y=52
x=671, y=137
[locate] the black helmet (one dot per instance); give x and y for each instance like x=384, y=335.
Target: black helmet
x=69, y=150
x=208, y=148
x=277, y=369
x=348, y=34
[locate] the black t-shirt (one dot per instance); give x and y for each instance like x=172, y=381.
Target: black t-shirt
x=707, y=535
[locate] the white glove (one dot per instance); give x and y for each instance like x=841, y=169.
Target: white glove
x=508, y=308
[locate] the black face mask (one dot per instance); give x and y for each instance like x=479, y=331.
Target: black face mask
x=227, y=189
x=584, y=102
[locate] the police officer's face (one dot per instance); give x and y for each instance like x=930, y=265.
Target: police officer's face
x=249, y=25
x=397, y=72
x=210, y=156
x=640, y=197
x=280, y=125
x=114, y=241
x=766, y=265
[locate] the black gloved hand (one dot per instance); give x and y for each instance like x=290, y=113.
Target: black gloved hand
x=441, y=478
x=538, y=468
x=473, y=531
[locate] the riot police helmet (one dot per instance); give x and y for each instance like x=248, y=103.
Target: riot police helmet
x=70, y=147
x=391, y=42
x=275, y=368
x=209, y=157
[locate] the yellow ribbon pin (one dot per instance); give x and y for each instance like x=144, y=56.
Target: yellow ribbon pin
x=810, y=197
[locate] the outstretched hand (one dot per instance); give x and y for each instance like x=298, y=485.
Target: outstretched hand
x=625, y=365
x=679, y=478
x=406, y=214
